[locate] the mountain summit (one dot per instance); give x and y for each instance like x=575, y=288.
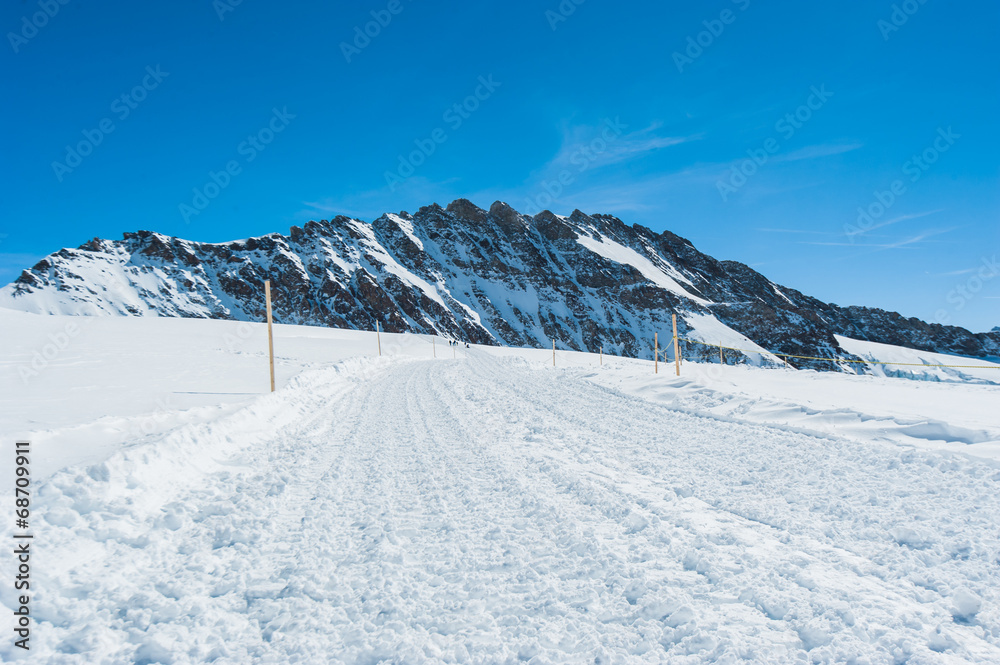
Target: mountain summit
x=490, y=277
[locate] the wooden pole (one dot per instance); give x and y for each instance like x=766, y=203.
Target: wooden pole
x=721, y=361
x=553, y=353
x=656, y=353
x=270, y=334
x=677, y=355
x=378, y=338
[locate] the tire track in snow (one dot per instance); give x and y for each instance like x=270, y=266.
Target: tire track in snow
x=815, y=626
x=485, y=511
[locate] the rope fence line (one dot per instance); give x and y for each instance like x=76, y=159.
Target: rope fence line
x=840, y=360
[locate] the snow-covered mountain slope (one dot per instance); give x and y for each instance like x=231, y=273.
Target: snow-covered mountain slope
x=493, y=277
x=481, y=506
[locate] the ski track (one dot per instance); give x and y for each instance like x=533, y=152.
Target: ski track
x=485, y=510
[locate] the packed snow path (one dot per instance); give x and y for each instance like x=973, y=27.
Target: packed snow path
x=490, y=511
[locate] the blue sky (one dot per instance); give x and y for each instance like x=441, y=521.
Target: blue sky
x=229, y=120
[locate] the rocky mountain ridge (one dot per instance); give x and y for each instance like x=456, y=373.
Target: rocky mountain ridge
x=486, y=276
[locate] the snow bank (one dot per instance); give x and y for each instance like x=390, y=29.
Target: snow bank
x=920, y=365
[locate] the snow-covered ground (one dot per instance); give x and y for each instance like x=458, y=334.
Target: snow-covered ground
x=483, y=506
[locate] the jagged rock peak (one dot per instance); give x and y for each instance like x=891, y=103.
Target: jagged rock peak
x=466, y=209
x=502, y=211
x=553, y=227
x=431, y=209
x=546, y=216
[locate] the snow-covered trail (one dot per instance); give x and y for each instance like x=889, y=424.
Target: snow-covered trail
x=486, y=510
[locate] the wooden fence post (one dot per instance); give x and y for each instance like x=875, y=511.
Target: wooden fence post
x=656, y=353
x=270, y=334
x=677, y=355
x=378, y=338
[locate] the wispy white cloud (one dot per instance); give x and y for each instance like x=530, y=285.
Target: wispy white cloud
x=647, y=193
x=816, y=151
x=913, y=240
x=910, y=242
x=797, y=231
x=583, y=148
x=850, y=244
x=590, y=147
x=894, y=220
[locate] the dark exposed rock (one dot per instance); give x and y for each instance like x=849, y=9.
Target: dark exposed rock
x=465, y=209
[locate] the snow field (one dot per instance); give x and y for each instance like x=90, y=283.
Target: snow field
x=491, y=509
